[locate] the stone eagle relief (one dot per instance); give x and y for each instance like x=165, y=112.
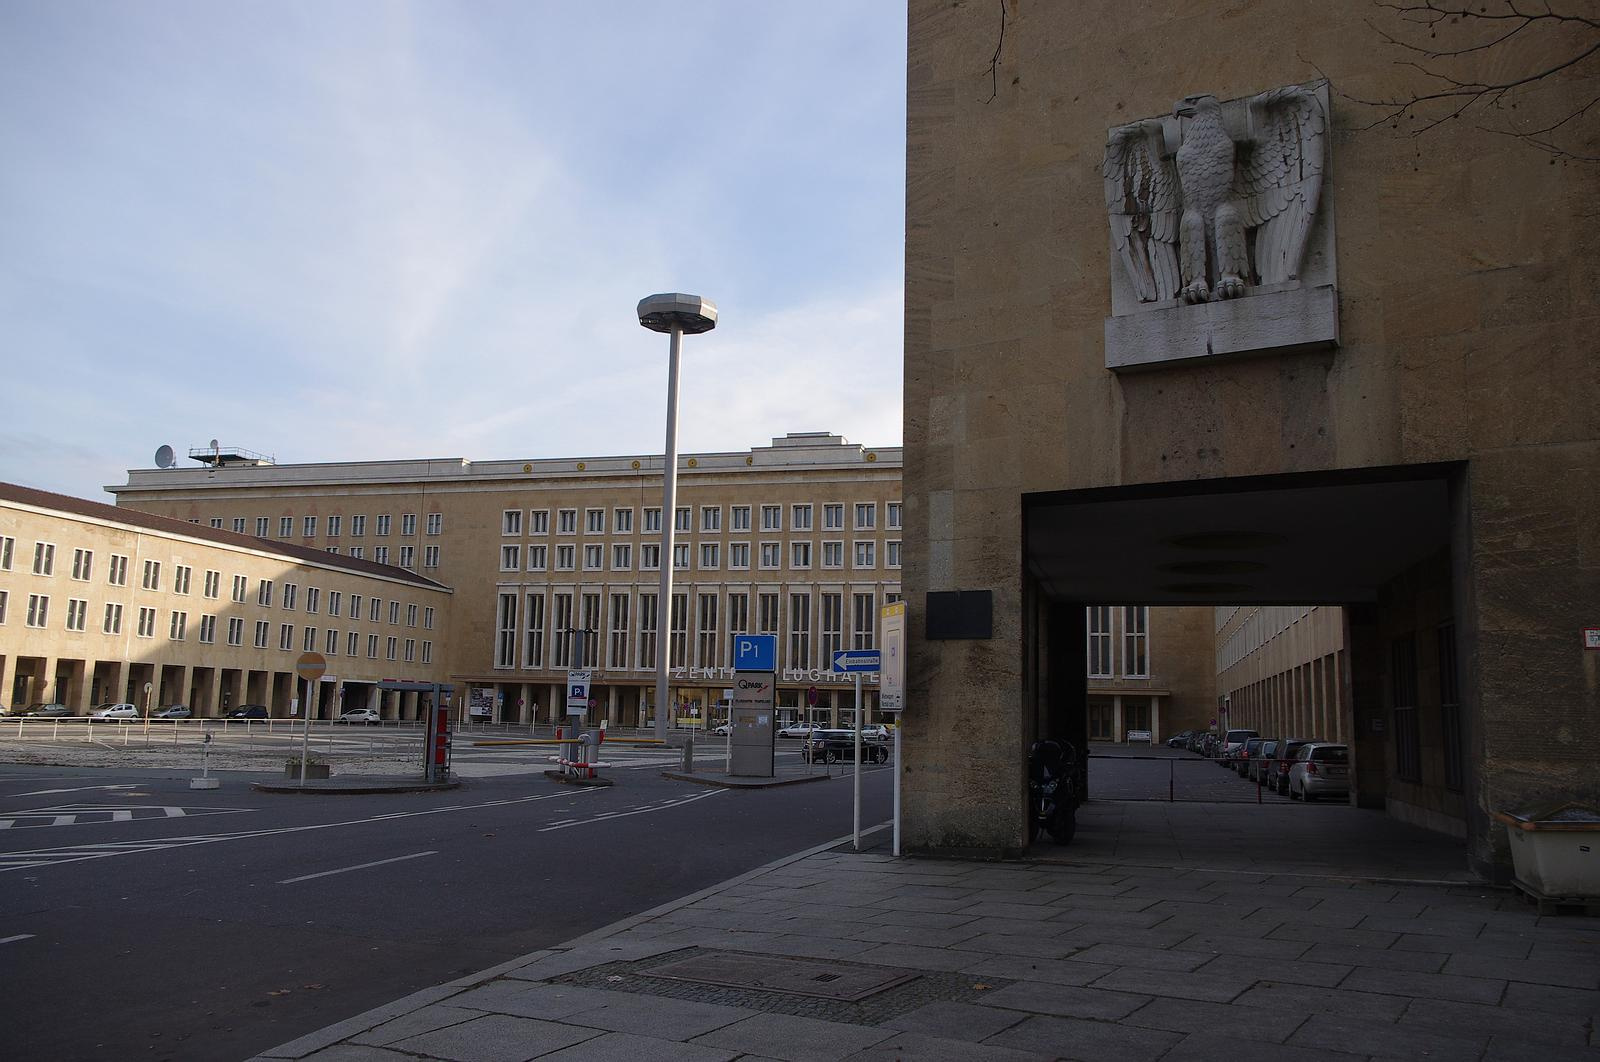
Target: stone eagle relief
x=1199, y=214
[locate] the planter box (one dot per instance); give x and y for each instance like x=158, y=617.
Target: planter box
x=313, y=770
x=1555, y=850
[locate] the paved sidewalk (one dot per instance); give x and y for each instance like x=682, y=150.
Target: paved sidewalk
x=1087, y=956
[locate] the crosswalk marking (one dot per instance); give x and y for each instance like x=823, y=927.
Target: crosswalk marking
x=90, y=814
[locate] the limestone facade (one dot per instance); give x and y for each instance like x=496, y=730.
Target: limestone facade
x=97, y=601
x=1466, y=310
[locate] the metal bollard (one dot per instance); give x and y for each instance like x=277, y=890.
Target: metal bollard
x=688, y=754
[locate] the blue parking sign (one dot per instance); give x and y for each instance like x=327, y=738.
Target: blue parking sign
x=755, y=652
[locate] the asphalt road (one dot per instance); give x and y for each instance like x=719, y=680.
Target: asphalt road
x=141, y=919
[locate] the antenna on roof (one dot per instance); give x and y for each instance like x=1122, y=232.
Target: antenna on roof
x=164, y=456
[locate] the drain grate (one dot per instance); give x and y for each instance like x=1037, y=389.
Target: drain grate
x=797, y=977
x=903, y=992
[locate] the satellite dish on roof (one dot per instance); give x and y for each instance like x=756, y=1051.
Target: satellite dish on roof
x=165, y=457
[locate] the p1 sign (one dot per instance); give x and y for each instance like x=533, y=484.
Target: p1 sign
x=755, y=652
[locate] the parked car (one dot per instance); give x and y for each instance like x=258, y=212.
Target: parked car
x=13, y=710
x=875, y=730
x=1230, y=744
x=798, y=730
x=1265, y=759
x=1241, y=758
x=48, y=710
x=722, y=729
x=115, y=711
x=1320, y=770
x=1180, y=741
x=174, y=711
x=831, y=746
x=1287, y=750
x=249, y=711
x=361, y=715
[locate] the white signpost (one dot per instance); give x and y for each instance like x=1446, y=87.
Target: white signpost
x=856, y=661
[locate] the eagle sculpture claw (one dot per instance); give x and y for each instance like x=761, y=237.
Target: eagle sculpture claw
x=1229, y=286
x=1195, y=291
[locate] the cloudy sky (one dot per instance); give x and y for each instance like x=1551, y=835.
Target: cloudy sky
x=372, y=230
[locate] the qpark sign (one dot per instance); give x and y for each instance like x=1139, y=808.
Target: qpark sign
x=794, y=674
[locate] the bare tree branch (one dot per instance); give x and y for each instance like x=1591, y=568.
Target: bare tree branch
x=1542, y=51
x=994, y=61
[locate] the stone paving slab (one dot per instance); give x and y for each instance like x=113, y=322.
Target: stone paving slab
x=1182, y=963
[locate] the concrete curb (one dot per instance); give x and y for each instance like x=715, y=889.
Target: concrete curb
x=365, y=789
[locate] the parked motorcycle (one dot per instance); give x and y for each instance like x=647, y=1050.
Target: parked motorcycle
x=1053, y=790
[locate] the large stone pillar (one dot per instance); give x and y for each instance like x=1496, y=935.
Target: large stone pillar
x=79, y=687
x=1366, y=717
x=213, y=698
x=43, y=687
x=8, y=680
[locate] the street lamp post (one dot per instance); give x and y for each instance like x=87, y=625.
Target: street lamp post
x=676, y=314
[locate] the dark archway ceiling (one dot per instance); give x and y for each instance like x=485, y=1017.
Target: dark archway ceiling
x=1319, y=538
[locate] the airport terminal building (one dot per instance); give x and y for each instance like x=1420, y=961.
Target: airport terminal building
x=800, y=539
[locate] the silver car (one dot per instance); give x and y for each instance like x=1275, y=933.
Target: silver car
x=1320, y=770
x=174, y=711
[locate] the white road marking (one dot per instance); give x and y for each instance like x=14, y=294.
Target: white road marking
x=77, y=853
x=13, y=940
x=100, y=814
x=79, y=789
x=358, y=866
x=608, y=816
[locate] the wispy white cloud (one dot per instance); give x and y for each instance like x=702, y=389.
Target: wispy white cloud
x=381, y=230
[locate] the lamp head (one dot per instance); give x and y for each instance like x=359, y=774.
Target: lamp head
x=689, y=314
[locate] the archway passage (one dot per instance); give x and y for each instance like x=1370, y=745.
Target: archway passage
x=1387, y=546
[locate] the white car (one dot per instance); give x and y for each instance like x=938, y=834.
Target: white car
x=798, y=730
x=361, y=715
x=877, y=730
x=723, y=730
x=115, y=711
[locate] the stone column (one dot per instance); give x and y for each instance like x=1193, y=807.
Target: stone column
x=1118, y=735
x=1363, y=707
x=44, y=681
x=80, y=687
x=213, y=704
x=612, y=708
x=8, y=680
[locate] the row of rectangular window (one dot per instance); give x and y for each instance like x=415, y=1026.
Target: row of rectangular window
x=800, y=519
x=178, y=628
x=39, y=606
x=117, y=568
x=335, y=525
x=864, y=555
x=522, y=632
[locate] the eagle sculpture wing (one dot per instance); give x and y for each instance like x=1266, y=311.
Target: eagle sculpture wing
x=1143, y=203
x=1279, y=177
